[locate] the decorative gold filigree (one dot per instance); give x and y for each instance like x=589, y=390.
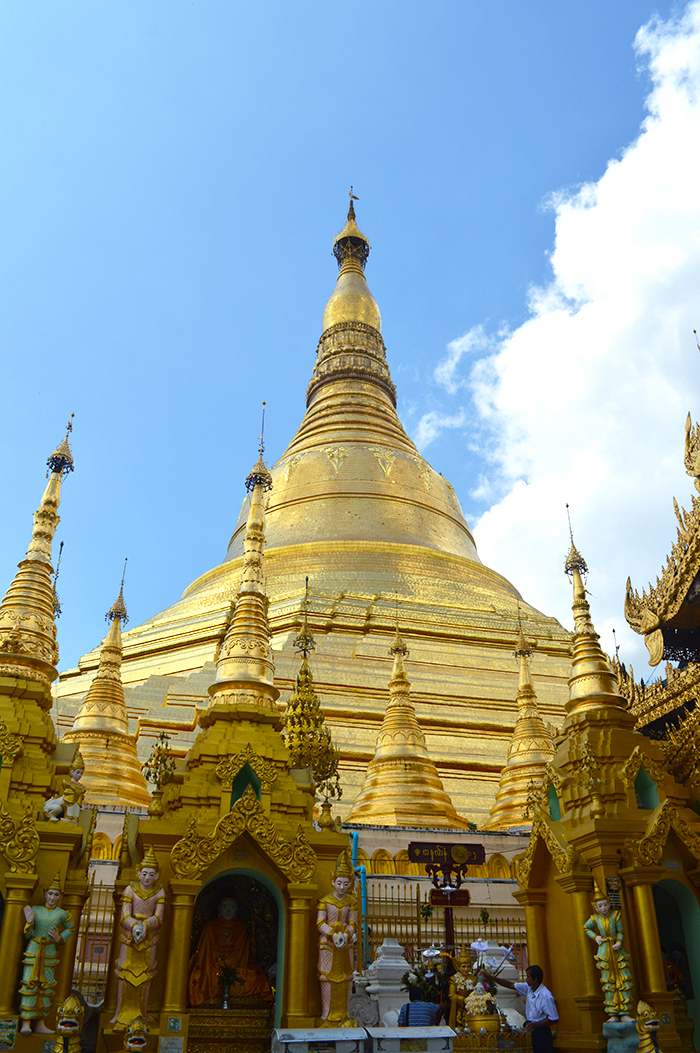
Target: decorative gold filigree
x=648, y=849
x=638, y=759
x=10, y=745
x=564, y=855
x=228, y=768
x=192, y=854
x=19, y=841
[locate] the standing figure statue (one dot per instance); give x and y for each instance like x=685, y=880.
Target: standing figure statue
x=337, y=921
x=605, y=928
x=140, y=922
x=67, y=805
x=47, y=928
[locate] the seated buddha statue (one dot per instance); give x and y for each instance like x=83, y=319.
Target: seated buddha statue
x=224, y=941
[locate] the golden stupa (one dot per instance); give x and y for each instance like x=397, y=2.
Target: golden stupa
x=356, y=508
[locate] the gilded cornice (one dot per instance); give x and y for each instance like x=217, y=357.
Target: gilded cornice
x=193, y=854
x=19, y=841
x=351, y=351
x=638, y=759
x=648, y=849
x=228, y=768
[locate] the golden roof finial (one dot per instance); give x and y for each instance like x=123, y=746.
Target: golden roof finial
x=522, y=647
x=259, y=475
x=118, y=608
x=398, y=646
x=351, y=245
x=574, y=561
x=61, y=460
x=304, y=642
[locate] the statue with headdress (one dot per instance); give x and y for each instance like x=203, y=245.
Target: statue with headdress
x=611, y=958
x=462, y=984
x=337, y=923
x=67, y=804
x=140, y=924
x=47, y=927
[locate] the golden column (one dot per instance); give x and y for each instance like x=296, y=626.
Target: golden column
x=652, y=983
x=19, y=889
x=183, y=893
x=74, y=895
x=302, y=902
x=533, y=900
x=580, y=886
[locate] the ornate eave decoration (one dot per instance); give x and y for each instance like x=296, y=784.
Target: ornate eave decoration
x=653, y=613
x=564, y=855
x=193, y=854
x=19, y=841
x=228, y=768
x=648, y=849
x=637, y=760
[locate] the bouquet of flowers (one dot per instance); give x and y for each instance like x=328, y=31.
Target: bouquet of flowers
x=429, y=976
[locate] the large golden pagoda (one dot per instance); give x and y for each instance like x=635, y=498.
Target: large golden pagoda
x=358, y=509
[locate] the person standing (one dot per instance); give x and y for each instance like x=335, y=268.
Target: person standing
x=540, y=1007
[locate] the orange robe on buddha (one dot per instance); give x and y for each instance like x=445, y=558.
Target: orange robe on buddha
x=225, y=941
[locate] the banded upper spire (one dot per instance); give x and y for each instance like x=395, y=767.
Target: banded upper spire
x=28, y=646
x=351, y=301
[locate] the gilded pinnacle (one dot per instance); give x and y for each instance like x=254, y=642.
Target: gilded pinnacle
x=259, y=475
x=118, y=608
x=61, y=460
x=304, y=642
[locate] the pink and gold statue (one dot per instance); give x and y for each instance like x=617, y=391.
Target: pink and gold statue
x=140, y=922
x=337, y=921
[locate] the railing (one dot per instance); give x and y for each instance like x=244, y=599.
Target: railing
x=404, y=912
x=94, y=943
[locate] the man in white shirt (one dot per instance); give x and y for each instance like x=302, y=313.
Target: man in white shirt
x=540, y=1007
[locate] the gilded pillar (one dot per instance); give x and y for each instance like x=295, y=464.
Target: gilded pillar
x=302, y=903
x=580, y=887
x=73, y=901
x=533, y=900
x=182, y=896
x=19, y=889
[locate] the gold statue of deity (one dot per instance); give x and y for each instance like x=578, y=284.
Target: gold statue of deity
x=605, y=928
x=462, y=983
x=337, y=922
x=67, y=804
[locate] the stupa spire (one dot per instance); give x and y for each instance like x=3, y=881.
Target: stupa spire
x=402, y=786
x=245, y=669
x=28, y=646
x=101, y=726
x=530, y=750
x=593, y=683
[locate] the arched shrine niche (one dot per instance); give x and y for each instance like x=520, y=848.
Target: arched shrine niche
x=248, y=941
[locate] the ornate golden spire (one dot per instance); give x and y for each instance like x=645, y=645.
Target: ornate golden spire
x=101, y=726
x=27, y=614
x=402, y=786
x=351, y=301
x=592, y=684
x=531, y=749
x=245, y=669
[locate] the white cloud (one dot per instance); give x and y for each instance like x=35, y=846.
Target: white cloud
x=432, y=424
x=586, y=401
x=475, y=341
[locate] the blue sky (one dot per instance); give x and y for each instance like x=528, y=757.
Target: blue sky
x=172, y=176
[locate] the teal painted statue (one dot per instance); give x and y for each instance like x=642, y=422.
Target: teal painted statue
x=47, y=928
x=605, y=928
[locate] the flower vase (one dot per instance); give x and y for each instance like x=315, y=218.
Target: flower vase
x=156, y=808
x=325, y=819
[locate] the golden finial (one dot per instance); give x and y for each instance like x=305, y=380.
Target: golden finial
x=398, y=646
x=522, y=647
x=351, y=244
x=56, y=601
x=304, y=642
x=61, y=460
x=118, y=608
x=149, y=860
x=351, y=210
x=259, y=475
x=574, y=561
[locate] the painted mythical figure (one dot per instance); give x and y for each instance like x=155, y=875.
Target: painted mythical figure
x=140, y=923
x=462, y=983
x=647, y=1022
x=605, y=928
x=67, y=804
x=69, y=1024
x=47, y=928
x=337, y=922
